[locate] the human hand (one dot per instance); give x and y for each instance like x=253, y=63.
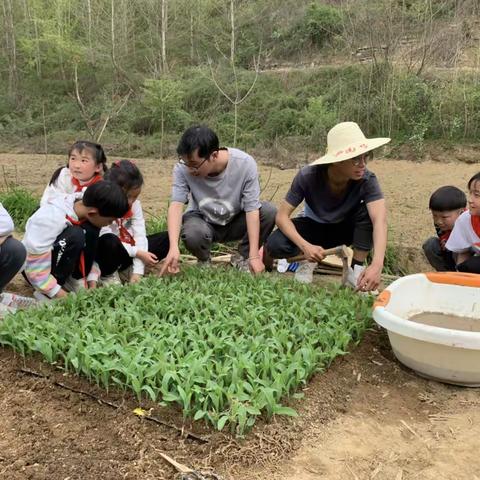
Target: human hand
x=256, y=265
x=148, y=258
x=313, y=253
x=61, y=294
x=170, y=263
x=369, y=279
x=135, y=278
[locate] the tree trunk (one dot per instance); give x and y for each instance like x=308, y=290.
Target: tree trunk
x=11, y=47
x=232, y=37
x=89, y=32
x=163, y=27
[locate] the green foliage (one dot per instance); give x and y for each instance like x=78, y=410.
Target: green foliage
x=226, y=347
x=20, y=204
x=55, y=40
x=163, y=101
x=317, y=119
x=320, y=23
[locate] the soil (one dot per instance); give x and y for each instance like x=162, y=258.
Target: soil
x=366, y=417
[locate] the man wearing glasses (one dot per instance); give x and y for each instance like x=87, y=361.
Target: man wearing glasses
x=222, y=190
x=343, y=204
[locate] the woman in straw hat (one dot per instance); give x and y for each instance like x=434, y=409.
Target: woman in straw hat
x=343, y=205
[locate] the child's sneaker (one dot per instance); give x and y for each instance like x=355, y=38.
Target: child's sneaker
x=304, y=273
x=113, y=279
x=41, y=297
x=5, y=309
x=74, y=284
x=17, y=301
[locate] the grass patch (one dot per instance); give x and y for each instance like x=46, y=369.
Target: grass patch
x=226, y=347
x=20, y=204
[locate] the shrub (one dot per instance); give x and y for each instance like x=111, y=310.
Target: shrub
x=20, y=204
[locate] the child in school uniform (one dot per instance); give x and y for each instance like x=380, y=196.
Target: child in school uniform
x=124, y=245
x=446, y=205
x=86, y=164
x=464, y=241
x=61, y=239
x=12, y=258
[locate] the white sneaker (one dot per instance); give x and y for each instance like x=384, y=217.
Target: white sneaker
x=74, y=284
x=41, y=297
x=17, y=301
x=5, y=309
x=353, y=274
x=304, y=273
x=113, y=279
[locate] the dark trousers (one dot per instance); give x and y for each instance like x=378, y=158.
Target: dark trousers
x=112, y=255
x=12, y=258
x=472, y=265
x=356, y=230
x=198, y=235
x=440, y=260
x=67, y=251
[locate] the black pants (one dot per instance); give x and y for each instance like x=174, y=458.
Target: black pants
x=472, y=265
x=356, y=230
x=198, y=234
x=440, y=260
x=112, y=255
x=12, y=257
x=67, y=251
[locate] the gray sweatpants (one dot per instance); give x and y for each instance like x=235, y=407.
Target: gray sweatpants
x=199, y=235
x=12, y=258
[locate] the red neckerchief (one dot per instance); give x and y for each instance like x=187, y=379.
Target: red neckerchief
x=82, y=253
x=476, y=224
x=443, y=237
x=80, y=186
x=123, y=233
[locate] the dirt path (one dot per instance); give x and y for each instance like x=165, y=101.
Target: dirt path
x=367, y=417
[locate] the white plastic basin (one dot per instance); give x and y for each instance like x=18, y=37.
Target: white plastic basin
x=444, y=354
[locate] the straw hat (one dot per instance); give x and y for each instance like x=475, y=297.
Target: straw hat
x=346, y=140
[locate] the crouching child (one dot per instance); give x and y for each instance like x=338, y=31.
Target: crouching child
x=446, y=205
x=61, y=239
x=464, y=240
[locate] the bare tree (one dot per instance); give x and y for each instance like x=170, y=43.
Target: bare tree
x=164, y=26
x=237, y=97
x=11, y=46
x=96, y=127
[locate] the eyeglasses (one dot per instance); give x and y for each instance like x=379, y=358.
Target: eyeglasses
x=363, y=158
x=195, y=168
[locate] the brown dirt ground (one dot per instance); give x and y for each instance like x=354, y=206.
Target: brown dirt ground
x=366, y=417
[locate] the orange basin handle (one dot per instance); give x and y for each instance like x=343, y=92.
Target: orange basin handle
x=455, y=278
x=383, y=299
